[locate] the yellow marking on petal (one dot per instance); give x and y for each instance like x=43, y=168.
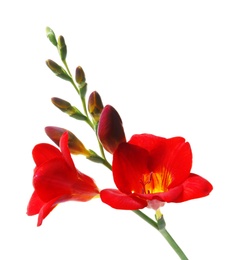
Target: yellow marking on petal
x=156, y=182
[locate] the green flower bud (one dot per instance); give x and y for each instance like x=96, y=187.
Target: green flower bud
x=58, y=70
x=67, y=108
x=50, y=34
x=95, y=106
x=62, y=47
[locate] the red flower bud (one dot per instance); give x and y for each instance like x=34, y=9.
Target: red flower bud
x=74, y=144
x=110, y=129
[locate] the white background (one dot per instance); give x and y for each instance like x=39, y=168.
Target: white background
x=169, y=68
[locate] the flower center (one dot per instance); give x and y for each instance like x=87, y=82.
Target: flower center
x=155, y=182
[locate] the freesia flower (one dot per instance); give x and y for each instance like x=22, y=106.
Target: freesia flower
x=57, y=180
x=150, y=170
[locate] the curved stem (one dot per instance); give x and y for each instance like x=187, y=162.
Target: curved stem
x=160, y=226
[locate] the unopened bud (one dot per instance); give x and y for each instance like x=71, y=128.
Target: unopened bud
x=67, y=108
x=74, y=144
x=50, y=34
x=62, y=47
x=58, y=70
x=80, y=75
x=95, y=105
x=110, y=129
x=81, y=81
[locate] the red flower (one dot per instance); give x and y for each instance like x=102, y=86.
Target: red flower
x=57, y=180
x=150, y=170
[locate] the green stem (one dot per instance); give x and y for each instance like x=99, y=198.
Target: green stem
x=66, y=66
x=160, y=226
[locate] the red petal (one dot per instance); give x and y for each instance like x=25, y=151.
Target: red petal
x=44, y=152
x=150, y=142
x=129, y=165
x=194, y=187
x=118, y=200
x=168, y=196
x=65, y=150
x=49, y=206
x=34, y=205
x=172, y=155
x=175, y=159
x=53, y=179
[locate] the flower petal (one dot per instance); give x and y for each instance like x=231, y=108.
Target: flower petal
x=129, y=165
x=176, y=159
x=49, y=206
x=150, y=142
x=194, y=187
x=53, y=179
x=119, y=200
x=34, y=205
x=168, y=196
x=65, y=150
x=44, y=152
x=172, y=155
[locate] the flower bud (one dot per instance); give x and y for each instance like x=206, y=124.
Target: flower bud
x=95, y=105
x=81, y=81
x=62, y=47
x=80, y=75
x=58, y=70
x=67, y=108
x=74, y=144
x=110, y=129
x=50, y=34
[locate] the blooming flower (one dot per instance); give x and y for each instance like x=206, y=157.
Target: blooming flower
x=57, y=180
x=150, y=170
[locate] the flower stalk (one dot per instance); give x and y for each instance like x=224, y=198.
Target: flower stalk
x=160, y=226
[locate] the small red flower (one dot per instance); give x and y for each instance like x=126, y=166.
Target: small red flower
x=150, y=170
x=57, y=180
